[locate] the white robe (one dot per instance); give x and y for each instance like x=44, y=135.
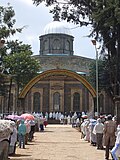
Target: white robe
x=13, y=138
x=116, y=149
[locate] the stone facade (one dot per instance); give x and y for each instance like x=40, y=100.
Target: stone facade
x=59, y=93
x=56, y=44
x=61, y=85
x=74, y=63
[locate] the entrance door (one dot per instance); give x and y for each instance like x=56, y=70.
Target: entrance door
x=56, y=101
x=36, y=102
x=76, y=102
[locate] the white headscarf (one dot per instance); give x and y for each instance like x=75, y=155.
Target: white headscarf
x=98, y=120
x=118, y=138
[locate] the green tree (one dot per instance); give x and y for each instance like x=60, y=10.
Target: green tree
x=103, y=75
x=21, y=64
x=7, y=22
x=3, y=89
x=16, y=47
x=103, y=17
x=15, y=57
x=7, y=29
x=14, y=52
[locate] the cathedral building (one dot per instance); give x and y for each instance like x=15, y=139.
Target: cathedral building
x=61, y=85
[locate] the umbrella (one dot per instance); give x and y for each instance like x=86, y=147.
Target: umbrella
x=13, y=117
x=84, y=116
x=27, y=116
x=32, y=122
x=5, y=129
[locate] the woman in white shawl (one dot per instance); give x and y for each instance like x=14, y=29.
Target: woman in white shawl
x=98, y=131
x=13, y=138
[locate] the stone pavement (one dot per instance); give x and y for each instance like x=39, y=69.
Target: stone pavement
x=58, y=142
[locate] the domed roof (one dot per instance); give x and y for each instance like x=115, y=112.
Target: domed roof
x=57, y=27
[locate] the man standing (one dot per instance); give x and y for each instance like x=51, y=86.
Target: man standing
x=109, y=135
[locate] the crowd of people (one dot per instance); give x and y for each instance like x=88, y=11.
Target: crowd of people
x=66, y=118
x=18, y=133
x=102, y=131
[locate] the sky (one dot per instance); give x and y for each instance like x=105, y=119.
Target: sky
x=36, y=18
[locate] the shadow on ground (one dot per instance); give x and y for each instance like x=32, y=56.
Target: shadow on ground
x=20, y=157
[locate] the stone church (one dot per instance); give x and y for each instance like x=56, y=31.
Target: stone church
x=61, y=85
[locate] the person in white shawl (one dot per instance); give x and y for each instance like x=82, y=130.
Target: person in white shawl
x=5, y=131
x=13, y=138
x=68, y=119
x=116, y=149
x=50, y=115
x=98, y=131
x=92, y=136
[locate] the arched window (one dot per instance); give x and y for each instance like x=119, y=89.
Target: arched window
x=56, y=44
x=76, y=101
x=67, y=45
x=56, y=101
x=45, y=45
x=36, y=102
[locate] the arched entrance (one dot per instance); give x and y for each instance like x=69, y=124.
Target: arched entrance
x=60, y=90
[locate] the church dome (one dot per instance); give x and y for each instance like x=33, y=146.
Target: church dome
x=57, y=27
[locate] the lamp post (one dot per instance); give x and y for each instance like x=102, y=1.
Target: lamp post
x=94, y=43
x=9, y=94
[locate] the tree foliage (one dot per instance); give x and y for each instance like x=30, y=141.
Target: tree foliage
x=7, y=22
x=3, y=88
x=20, y=63
x=15, y=57
x=103, y=75
x=7, y=29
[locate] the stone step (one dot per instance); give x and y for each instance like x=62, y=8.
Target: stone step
x=53, y=121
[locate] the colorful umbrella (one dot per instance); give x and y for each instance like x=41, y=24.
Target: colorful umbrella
x=84, y=116
x=13, y=117
x=27, y=116
x=32, y=122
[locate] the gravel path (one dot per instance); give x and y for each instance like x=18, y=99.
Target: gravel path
x=58, y=142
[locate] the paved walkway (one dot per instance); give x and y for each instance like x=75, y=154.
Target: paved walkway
x=58, y=142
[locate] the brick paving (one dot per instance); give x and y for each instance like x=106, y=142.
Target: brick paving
x=58, y=142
